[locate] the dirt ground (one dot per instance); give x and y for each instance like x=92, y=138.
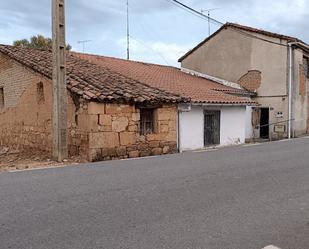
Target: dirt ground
x=12, y=160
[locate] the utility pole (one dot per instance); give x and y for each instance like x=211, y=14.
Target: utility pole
x=59, y=116
x=128, y=32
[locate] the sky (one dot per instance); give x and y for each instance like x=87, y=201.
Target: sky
x=161, y=32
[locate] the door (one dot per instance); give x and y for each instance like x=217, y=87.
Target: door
x=264, y=122
x=211, y=128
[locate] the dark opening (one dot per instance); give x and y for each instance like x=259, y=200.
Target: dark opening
x=1, y=98
x=264, y=123
x=147, y=121
x=40, y=93
x=211, y=128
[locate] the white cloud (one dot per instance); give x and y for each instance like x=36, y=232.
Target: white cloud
x=155, y=51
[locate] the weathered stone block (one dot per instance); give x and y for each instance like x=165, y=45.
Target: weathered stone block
x=95, y=155
x=133, y=154
x=145, y=153
x=127, y=138
x=120, y=124
x=136, y=116
x=131, y=148
x=121, y=151
x=166, y=149
x=118, y=109
x=164, y=128
x=103, y=140
x=93, y=121
x=154, y=144
x=133, y=128
x=96, y=108
x=105, y=120
x=156, y=151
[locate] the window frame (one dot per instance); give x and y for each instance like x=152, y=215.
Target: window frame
x=147, y=123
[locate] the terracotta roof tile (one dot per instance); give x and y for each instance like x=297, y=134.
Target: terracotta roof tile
x=172, y=79
x=90, y=80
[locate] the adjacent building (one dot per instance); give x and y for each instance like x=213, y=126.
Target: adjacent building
x=116, y=108
x=273, y=66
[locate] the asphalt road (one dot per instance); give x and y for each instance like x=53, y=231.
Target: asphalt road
x=244, y=197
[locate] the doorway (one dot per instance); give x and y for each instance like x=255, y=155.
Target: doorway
x=211, y=128
x=264, y=123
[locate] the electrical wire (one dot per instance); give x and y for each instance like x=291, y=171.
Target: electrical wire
x=202, y=16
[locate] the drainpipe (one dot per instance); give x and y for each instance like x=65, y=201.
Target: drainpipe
x=290, y=85
x=290, y=46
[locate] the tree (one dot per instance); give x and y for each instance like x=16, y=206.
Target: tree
x=39, y=42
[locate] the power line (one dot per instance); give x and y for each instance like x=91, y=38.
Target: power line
x=201, y=15
x=195, y=12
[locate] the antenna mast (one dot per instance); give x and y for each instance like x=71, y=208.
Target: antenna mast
x=83, y=42
x=128, y=32
x=208, y=15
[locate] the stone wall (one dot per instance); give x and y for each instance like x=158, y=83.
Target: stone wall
x=114, y=131
x=97, y=131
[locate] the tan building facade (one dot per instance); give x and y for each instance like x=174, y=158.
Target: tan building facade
x=259, y=61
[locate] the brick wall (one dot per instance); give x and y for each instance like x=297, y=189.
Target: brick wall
x=251, y=80
x=114, y=131
x=25, y=120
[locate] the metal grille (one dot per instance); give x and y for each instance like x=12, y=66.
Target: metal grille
x=211, y=128
x=146, y=121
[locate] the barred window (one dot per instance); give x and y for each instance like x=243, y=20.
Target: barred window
x=147, y=122
x=1, y=98
x=306, y=66
x=40, y=93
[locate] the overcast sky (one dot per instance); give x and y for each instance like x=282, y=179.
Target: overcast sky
x=161, y=32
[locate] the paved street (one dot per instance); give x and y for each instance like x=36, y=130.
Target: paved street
x=245, y=197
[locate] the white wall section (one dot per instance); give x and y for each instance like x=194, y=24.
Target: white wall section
x=232, y=126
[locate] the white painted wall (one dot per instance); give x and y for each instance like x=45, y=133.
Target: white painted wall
x=191, y=127
x=249, y=128
x=233, y=125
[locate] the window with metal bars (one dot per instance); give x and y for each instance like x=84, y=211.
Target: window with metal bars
x=147, y=121
x=306, y=66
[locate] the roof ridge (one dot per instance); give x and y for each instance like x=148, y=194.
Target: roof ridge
x=121, y=59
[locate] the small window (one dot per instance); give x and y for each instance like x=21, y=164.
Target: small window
x=1, y=98
x=147, y=123
x=306, y=66
x=40, y=93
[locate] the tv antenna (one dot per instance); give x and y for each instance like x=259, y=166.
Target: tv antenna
x=83, y=42
x=208, y=14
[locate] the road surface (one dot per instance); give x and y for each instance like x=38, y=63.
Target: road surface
x=244, y=197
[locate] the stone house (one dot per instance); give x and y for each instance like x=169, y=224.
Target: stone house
x=109, y=114
x=116, y=108
x=273, y=66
